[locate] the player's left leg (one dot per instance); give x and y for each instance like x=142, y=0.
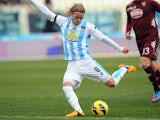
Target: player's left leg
x=156, y=95
x=98, y=73
x=153, y=75
x=156, y=69
x=158, y=57
x=118, y=75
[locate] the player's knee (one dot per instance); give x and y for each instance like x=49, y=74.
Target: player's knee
x=67, y=84
x=144, y=66
x=110, y=83
x=145, y=63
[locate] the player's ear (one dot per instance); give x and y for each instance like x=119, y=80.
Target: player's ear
x=71, y=13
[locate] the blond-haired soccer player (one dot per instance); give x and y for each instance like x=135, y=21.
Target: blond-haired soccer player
x=77, y=35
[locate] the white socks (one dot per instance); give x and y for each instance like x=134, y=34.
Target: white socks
x=72, y=98
x=118, y=75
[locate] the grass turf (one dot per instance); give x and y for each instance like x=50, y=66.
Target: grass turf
x=31, y=90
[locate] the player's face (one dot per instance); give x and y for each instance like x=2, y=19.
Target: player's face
x=77, y=17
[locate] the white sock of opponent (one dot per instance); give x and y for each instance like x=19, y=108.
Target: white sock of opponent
x=118, y=75
x=72, y=98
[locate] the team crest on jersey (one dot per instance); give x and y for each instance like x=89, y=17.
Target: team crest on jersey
x=136, y=13
x=72, y=36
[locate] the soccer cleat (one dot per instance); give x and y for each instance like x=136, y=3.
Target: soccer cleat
x=75, y=114
x=156, y=96
x=130, y=68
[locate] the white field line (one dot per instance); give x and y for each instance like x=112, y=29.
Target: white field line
x=61, y=117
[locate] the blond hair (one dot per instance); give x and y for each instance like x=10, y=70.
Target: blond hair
x=77, y=7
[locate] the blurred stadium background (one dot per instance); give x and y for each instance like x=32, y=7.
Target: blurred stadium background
x=32, y=90
x=26, y=34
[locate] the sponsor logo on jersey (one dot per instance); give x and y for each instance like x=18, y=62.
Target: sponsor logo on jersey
x=136, y=13
x=72, y=36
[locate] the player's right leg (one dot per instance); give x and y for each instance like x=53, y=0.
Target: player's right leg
x=73, y=100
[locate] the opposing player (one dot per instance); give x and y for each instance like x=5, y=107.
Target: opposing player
x=77, y=34
x=141, y=17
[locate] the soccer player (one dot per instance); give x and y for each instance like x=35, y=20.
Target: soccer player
x=77, y=34
x=141, y=17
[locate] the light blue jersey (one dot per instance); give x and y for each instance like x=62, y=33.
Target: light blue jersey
x=76, y=38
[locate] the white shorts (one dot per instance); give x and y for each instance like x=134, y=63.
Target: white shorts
x=77, y=70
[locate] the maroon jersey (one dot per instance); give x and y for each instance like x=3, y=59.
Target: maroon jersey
x=141, y=16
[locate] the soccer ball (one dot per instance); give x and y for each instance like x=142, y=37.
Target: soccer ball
x=100, y=108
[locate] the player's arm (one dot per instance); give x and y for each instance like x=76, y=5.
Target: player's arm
x=50, y=15
x=128, y=31
x=128, y=28
x=98, y=35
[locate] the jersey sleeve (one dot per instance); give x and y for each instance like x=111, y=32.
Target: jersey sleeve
x=98, y=35
x=128, y=24
x=50, y=15
x=128, y=27
x=156, y=5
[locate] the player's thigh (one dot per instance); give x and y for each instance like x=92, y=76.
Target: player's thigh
x=96, y=72
x=72, y=77
x=148, y=48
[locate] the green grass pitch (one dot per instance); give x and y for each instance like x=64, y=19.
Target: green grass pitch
x=32, y=90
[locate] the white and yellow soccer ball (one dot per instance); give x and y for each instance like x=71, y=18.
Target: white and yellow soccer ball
x=100, y=108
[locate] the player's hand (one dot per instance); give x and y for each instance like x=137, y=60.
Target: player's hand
x=125, y=50
x=128, y=36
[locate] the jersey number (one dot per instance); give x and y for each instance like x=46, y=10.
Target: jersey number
x=145, y=51
x=97, y=69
